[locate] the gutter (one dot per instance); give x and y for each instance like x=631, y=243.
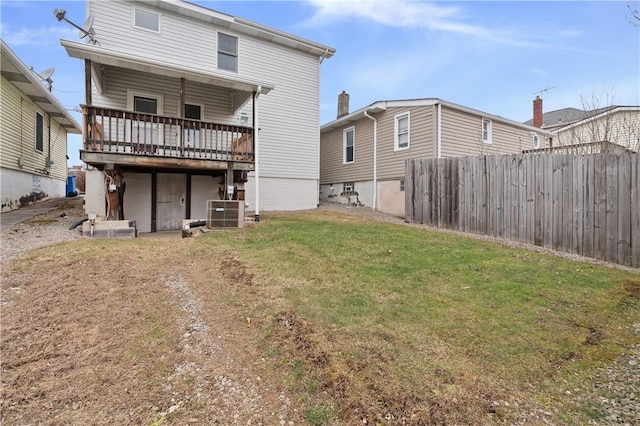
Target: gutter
x=375, y=159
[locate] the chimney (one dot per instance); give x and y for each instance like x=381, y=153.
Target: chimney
x=537, y=112
x=343, y=104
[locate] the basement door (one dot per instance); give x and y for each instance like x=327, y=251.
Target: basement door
x=171, y=193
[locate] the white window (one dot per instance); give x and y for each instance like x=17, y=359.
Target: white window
x=348, y=136
x=191, y=133
x=535, y=139
x=147, y=20
x=401, y=132
x=39, y=132
x=486, y=130
x=143, y=131
x=227, y=52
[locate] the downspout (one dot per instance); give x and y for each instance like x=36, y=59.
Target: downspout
x=439, y=132
x=256, y=132
x=375, y=160
x=48, y=168
x=321, y=59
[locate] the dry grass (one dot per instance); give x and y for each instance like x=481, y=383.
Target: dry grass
x=350, y=320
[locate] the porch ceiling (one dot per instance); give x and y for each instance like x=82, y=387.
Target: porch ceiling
x=243, y=88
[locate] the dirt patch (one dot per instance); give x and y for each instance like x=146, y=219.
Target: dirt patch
x=632, y=288
x=107, y=332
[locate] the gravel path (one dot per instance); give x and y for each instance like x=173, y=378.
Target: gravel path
x=619, y=381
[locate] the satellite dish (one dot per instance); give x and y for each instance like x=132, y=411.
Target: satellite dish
x=46, y=74
x=85, y=30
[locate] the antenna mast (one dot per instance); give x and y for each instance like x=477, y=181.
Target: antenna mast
x=545, y=90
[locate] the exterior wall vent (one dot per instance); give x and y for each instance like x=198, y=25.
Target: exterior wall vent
x=225, y=214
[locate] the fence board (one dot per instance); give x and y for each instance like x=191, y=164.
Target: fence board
x=599, y=208
x=611, y=202
x=578, y=203
x=409, y=167
x=588, y=206
x=513, y=196
x=539, y=211
x=584, y=204
x=635, y=213
x=548, y=201
x=567, y=203
x=557, y=202
x=624, y=211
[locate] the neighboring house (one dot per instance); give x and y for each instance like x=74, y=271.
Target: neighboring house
x=611, y=129
x=363, y=153
x=185, y=104
x=33, y=136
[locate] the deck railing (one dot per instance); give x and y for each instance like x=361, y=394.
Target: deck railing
x=126, y=132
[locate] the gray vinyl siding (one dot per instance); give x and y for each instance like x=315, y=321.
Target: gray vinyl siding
x=390, y=162
x=288, y=115
x=332, y=167
x=17, y=121
x=421, y=140
x=462, y=135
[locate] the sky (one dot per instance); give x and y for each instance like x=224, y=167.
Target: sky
x=491, y=56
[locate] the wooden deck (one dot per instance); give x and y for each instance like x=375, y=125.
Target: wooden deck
x=147, y=140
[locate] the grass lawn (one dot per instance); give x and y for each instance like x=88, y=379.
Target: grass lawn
x=383, y=322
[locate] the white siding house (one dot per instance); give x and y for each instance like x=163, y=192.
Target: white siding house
x=186, y=102
x=33, y=136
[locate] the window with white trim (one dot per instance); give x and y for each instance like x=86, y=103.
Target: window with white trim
x=486, y=130
x=191, y=133
x=227, y=52
x=39, y=132
x=535, y=139
x=401, y=131
x=348, y=140
x=147, y=20
x=137, y=130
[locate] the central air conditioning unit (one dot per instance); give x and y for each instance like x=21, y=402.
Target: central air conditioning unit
x=225, y=214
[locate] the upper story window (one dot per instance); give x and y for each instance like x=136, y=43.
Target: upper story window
x=147, y=20
x=401, y=131
x=227, y=52
x=348, y=136
x=486, y=130
x=39, y=132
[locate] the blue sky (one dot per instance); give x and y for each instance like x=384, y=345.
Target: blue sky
x=491, y=56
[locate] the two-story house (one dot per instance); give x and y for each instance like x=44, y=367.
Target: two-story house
x=185, y=104
x=612, y=129
x=33, y=136
x=363, y=153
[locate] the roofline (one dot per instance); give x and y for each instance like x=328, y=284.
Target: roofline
x=608, y=111
x=114, y=58
x=30, y=75
x=244, y=26
x=383, y=105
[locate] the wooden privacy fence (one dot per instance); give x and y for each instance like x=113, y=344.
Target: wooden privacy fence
x=583, y=204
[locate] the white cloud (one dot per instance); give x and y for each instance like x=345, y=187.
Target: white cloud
x=38, y=36
x=422, y=15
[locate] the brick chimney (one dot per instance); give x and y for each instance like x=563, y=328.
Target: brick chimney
x=537, y=112
x=343, y=104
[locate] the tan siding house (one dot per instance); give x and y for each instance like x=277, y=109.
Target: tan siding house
x=33, y=136
x=387, y=133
